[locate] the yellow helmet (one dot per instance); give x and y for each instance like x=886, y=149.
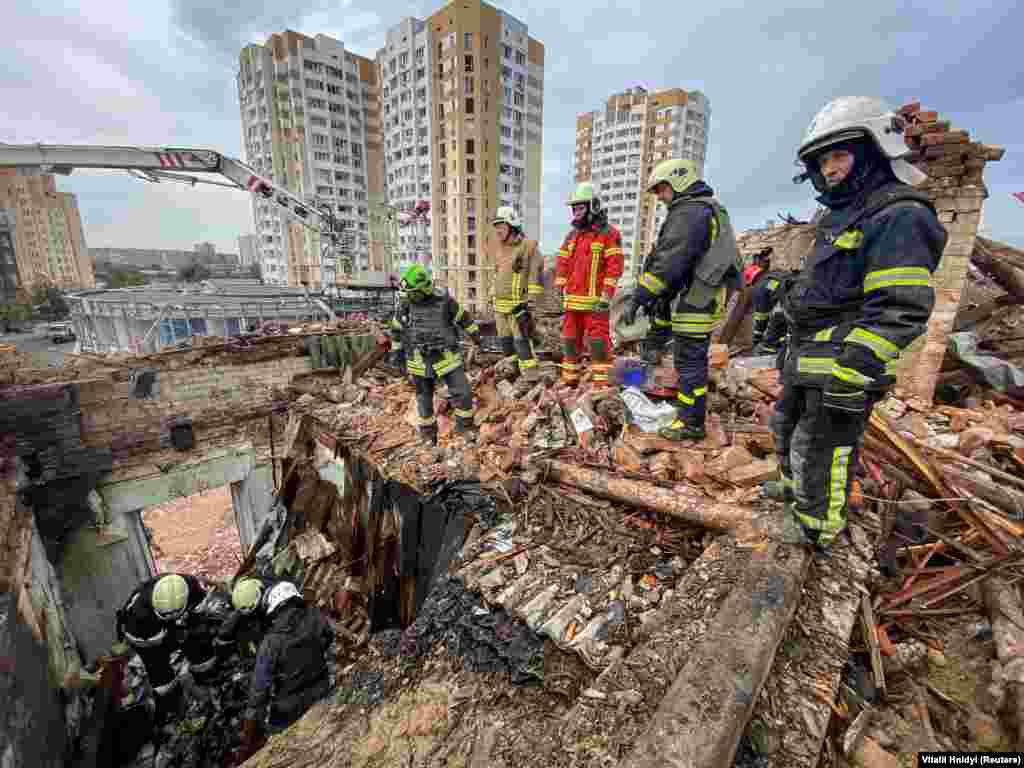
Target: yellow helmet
x=170, y=596
x=245, y=597
x=679, y=174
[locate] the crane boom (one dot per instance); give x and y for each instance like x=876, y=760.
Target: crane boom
x=155, y=163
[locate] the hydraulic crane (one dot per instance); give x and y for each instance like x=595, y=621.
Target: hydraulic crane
x=177, y=164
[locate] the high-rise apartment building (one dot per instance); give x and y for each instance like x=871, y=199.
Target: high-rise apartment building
x=45, y=227
x=618, y=147
x=463, y=113
x=311, y=122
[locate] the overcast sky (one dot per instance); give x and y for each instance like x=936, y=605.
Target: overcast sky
x=163, y=73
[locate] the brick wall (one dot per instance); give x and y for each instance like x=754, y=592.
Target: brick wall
x=955, y=166
x=226, y=403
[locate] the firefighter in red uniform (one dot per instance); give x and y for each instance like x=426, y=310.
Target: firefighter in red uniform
x=588, y=272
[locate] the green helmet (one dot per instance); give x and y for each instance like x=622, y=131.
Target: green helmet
x=679, y=174
x=170, y=596
x=246, y=595
x=415, y=282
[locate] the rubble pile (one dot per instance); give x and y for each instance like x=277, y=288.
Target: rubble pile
x=944, y=483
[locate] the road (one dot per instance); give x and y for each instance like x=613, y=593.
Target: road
x=37, y=344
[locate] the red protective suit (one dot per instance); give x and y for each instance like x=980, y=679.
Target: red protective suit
x=587, y=274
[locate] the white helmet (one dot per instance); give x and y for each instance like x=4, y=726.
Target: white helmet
x=856, y=117
x=280, y=593
x=507, y=215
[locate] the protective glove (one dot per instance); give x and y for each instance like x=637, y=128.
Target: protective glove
x=840, y=395
x=630, y=312
x=603, y=306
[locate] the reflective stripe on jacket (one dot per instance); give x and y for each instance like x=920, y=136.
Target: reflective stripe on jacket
x=517, y=273
x=866, y=292
x=589, y=266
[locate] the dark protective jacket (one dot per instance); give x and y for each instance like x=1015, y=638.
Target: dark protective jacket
x=426, y=331
x=140, y=625
x=695, y=254
x=291, y=666
x=865, y=292
x=766, y=292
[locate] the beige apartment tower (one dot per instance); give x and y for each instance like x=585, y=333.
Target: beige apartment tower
x=617, y=148
x=463, y=114
x=311, y=122
x=49, y=246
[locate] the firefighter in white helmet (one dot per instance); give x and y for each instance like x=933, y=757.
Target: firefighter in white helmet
x=864, y=294
x=587, y=274
x=291, y=671
x=517, y=282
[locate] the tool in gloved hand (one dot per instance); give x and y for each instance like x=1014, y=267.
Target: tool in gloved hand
x=631, y=310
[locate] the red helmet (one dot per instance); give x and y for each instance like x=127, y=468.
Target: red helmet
x=750, y=273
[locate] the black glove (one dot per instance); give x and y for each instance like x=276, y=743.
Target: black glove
x=630, y=312
x=840, y=395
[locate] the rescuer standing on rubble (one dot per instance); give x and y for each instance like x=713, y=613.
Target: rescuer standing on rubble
x=517, y=281
x=291, y=671
x=696, y=258
x=161, y=616
x=587, y=274
x=863, y=296
x=767, y=286
x=425, y=329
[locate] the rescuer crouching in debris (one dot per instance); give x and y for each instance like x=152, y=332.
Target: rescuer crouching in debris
x=696, y=258
x=587, y=274
x=244, y=628
x=164, y=615
x=767, y=286
x=291, y=672
x=425, y=329
x=863, y=296
x=517, y=281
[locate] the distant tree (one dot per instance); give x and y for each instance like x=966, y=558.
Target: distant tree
x=125, y=278
x=193, y=273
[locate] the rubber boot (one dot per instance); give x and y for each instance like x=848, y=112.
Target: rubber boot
x=682, y=429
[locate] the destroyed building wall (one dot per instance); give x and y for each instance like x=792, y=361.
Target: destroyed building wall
x=955, y=166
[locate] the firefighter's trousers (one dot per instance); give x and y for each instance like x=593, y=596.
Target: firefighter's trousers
x=818, y=450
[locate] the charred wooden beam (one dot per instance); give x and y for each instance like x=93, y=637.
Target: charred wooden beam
x=701, y=720
x=680, y=500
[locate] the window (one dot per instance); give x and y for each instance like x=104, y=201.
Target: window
x=469, y=107
x=507, y=52
x=470, y=165
x=520, y=58
x=469, y=186
x=470, y=147
x=469, y=63
x=467, y=40
x=468, y=86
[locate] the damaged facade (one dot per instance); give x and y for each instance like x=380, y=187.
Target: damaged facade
x=569, y=589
